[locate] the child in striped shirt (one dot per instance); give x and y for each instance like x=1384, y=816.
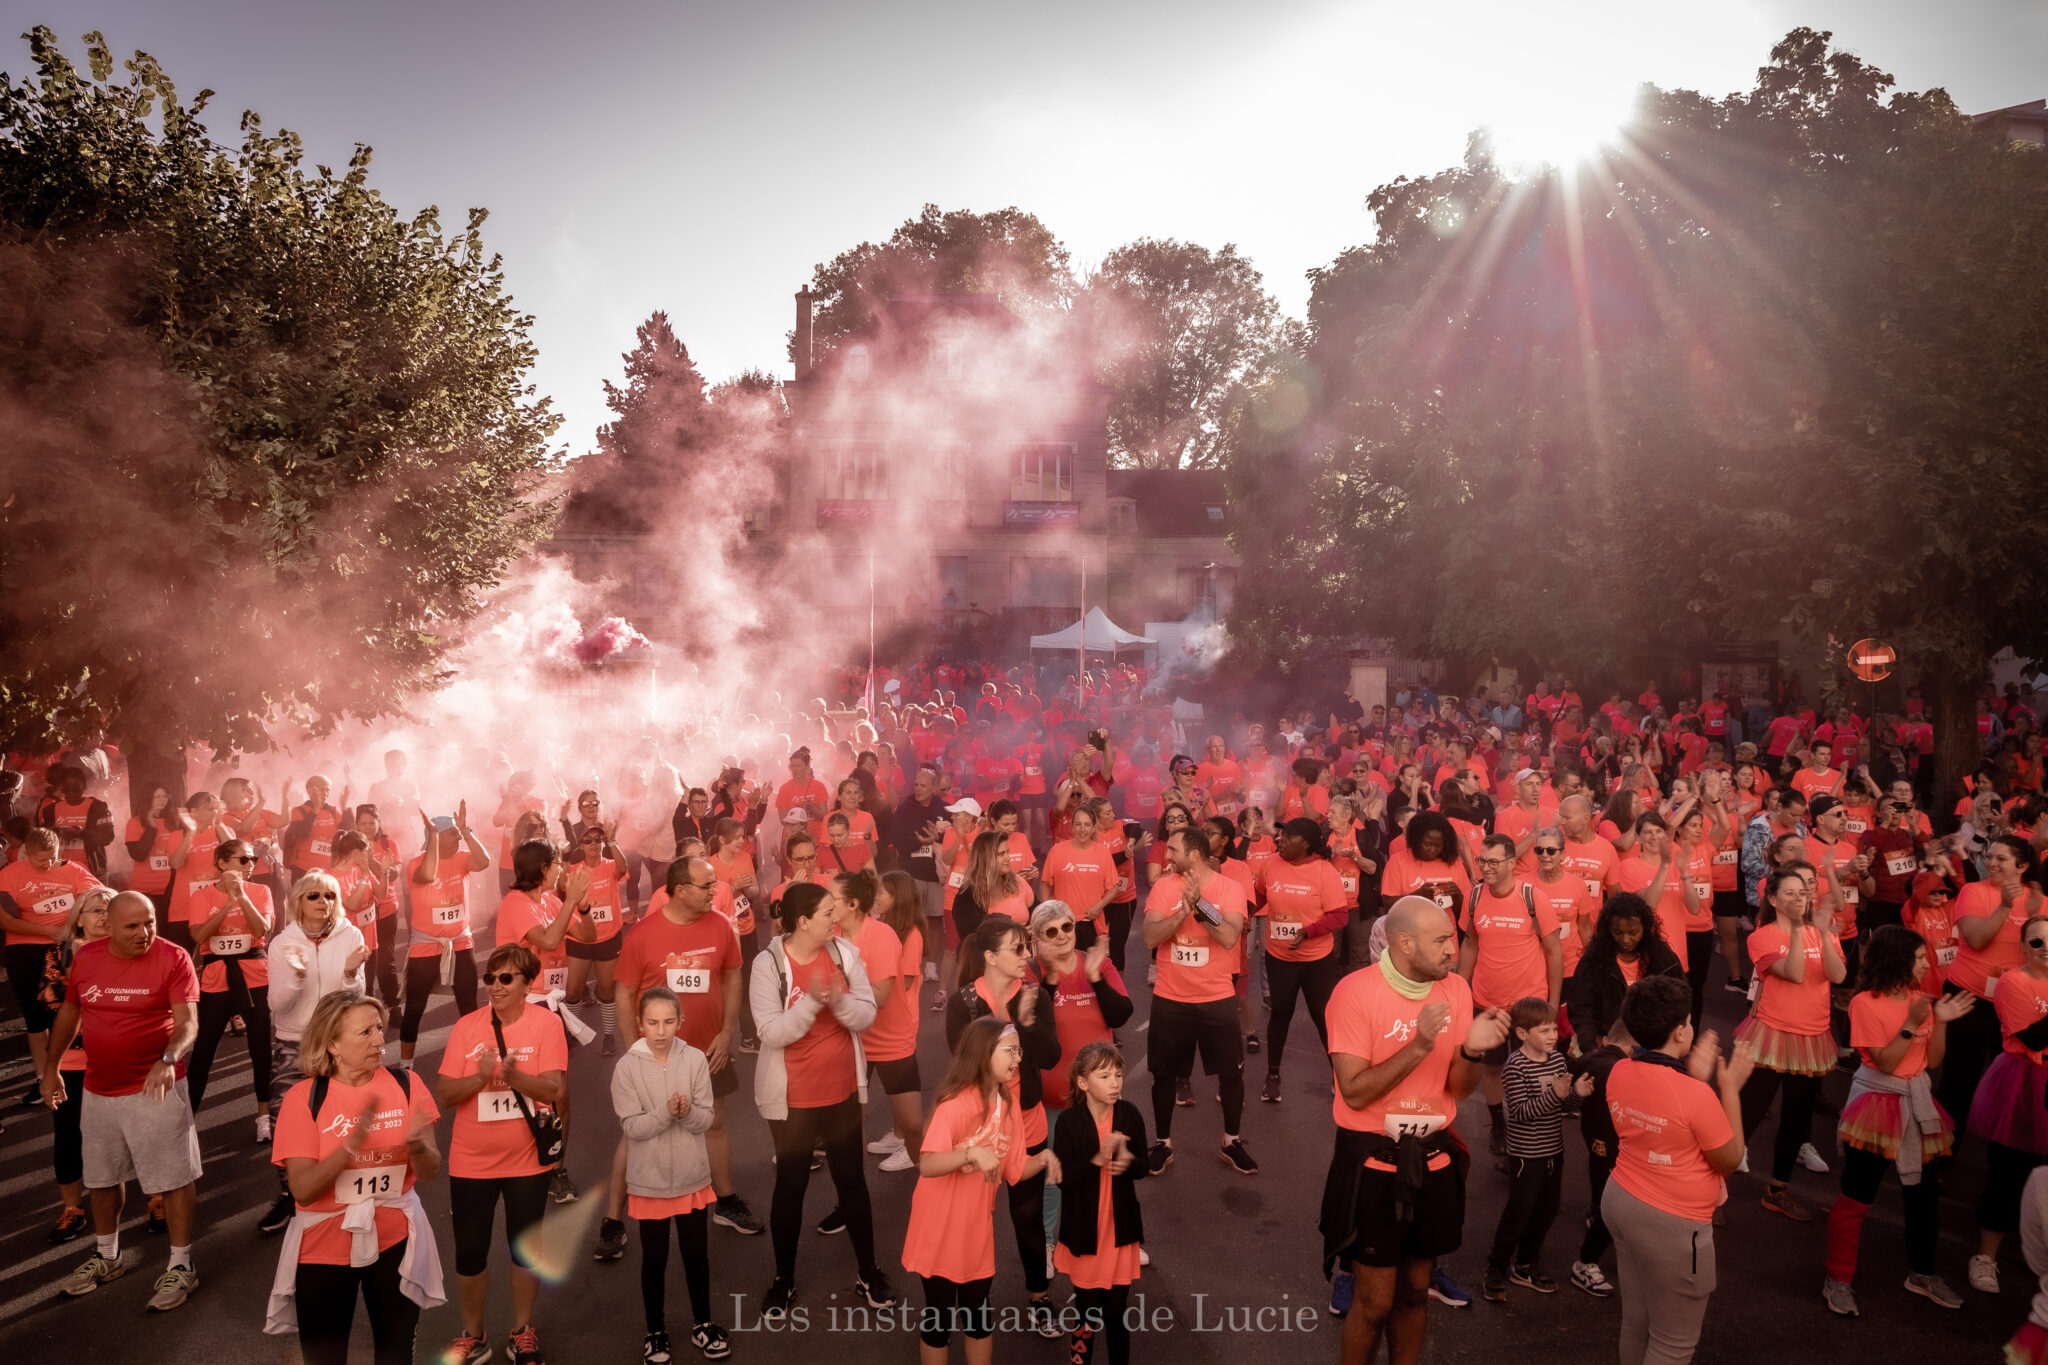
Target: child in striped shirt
x=1536, y=1091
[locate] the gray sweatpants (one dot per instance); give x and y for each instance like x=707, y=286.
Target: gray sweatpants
x=1667, y=1273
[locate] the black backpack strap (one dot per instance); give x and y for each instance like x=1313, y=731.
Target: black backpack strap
x=320, y=1084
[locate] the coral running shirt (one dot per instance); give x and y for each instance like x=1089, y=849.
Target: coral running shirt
x=952, y=1232
x=1509, y=965
x=2021, y=1001
x=440, y=908
x=491, y=1138
x=1193, y=968
x=1081, y=877
x=893, y=1035
x=1791, y=1006
x=1296, y=896
x=233, y=937
x=819, y=1064
x=1977, y=969
x=1667, y=1122
x=381, y=1168
x=124, y=1010
x=519, y=914
x=1875, y=1020
x=43, y=898
x=1372, y=1021
x=690, y=959
x=1572, y=905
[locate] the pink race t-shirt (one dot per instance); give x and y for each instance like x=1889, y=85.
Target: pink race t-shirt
x=1667, y=1122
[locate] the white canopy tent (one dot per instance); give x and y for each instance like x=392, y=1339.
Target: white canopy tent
x=1101, y=634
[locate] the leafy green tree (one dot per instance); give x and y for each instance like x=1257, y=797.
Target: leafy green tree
x=1772, y=367
x=1178, y=330
x=1007, y=252
x=269, y=442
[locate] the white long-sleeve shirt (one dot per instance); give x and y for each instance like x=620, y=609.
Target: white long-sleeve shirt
x=292, y=995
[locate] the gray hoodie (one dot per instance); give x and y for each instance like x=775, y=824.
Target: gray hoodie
x=665, y=1155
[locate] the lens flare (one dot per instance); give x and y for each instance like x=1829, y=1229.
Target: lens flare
x=553, y=1247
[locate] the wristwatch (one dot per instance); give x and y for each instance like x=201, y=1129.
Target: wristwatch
x=168, y=1060
x=1469, y=1055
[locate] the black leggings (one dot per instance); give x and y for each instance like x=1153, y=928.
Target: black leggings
x=1702, y=946
x=1864, y=1171
x=1120, y=914
x=67, y=1153
x=327, y=1308
x=1534, y=1186
x=1027, y=1216
x=950, y=1306
x=474, y=1202
x=216, y=1008
x=1314, y=981
x=1973, y=1041
x=1597, y=1240
x=837, y=1127
x=1102, y=1314
x=422, y=974
x=1795, y=1119
x=2005, y=1178
x=693, y=1235
x=383, y=973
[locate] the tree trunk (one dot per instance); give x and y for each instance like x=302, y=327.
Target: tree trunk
x=1951, y=687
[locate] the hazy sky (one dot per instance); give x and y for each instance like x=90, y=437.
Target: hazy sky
x=702, y=158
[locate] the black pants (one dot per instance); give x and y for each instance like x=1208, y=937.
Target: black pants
x=950, y=1306
x=748, y=951
x=1875, y=915
x=327, y=1309
x=1795, y=1118
x=837, y=1128
x=1597, y=1240
x=1180, y=1030
x=216, y=1008
x=1120, y=914
x=1106, y=1307
x=422, y=974
x=67, y=1153
x=1314, y=982
x=1702, y=946
x=165, y=924
x=1027, y=1217
x=1973, y=1041
x=474, y=1202
x=383, y=974
x=1535, y=1184
x=1864, y=1171
x=693, y=1235
x=2005, y=1178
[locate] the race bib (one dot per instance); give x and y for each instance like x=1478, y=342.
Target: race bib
x=1031, y=770
x=1226, y=807
x=1412, y=1125
x=1849, y=895
x=1349, y=883
x=159, y=862
x=1855, y=826
x=1592, y=885
x=1283, y=930
x=957, y=880
x=1898, y=864
x=1990, y=984
x=228, y=945
x=496, y=1106
x=1945, y=954
x=554, y=979
x=194, y=888
x=366, y=1183
x=56, y=905
x=367, y=915
x=1190, y=954
x=321, y=847
x=1703, y=891
x=600, y=913
x=1445, y=900
x=1564, y=930
x=690, y=980
x=1727, y=857
x=447, y=915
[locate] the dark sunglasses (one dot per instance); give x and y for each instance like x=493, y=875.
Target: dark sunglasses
x=1546, y=852
x=2037, y=942
x=321, y=896
x=502, y=978
x=239, y=858
x=1057, y=930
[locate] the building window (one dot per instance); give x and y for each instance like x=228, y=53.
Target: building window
x=853, y=473
x=953, y=582
x=1042, y=473
x=949, y=471
x=1215, y=512
x=1041, y=581
x=1123, y=515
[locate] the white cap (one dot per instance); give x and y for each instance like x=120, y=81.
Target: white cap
x=1526, y=772
x=966, y=805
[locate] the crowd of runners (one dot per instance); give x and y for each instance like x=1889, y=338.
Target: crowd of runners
x=1523, y=896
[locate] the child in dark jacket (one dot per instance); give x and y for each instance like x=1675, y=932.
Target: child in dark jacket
x=1100, y=1142
x=1596, y=1128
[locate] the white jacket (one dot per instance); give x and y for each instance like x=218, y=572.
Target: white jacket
x=781, y=1024
x=292, y=996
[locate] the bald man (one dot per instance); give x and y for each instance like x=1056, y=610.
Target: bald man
x=1587, y=856
x=1405, y=1047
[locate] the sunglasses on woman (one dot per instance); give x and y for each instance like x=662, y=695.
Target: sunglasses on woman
x=502, y=978
x=1057, y=930
x=1546, y=852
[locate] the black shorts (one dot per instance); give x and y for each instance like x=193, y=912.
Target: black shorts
x=1438, y=1224
x=25, y=974
x=726, y=1079
x=1728, y=904
x=475, y=1204
x=1180, y=1030
x=1498, y=1055
x=899, y=1077
x=607, y=951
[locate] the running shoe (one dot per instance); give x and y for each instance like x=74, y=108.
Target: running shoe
x=1494, y=1288
x=832, y=1224
x=1158, y=1157
x=262, y=1129
x=1271, y=1093
x=524, y=1344
x=561, y=1188
x=1446, y=1290
x=610, y=1046
x=467, y=1350
x=611, y=1241
x=1251, y=1043
x=157, y=1222
x=1239, y=1158
x=96, y=1271
x=173, y=1287
x=1735, y=988
x=899, y=1160
x=1043, y=1321
x=1342, y=1290
x=1497, y=1140
x=938, y=1002
x=732, y=1212
x=277, y=1217
x=1811, y=1159
x=775, y=1303
x=885, y=1144
x=72, y=1223
x=1183, y=1092
x=874, y=1286
x=1840, y=1299
x=1780, y=1199
x=1529, y=1277
x=1588, y=1275
x=236, y=1028
x=931, y=971
x=655, y=1350
x=710, y=1340
x=1935, y=1288
x=1144, y=1256
x=1984, y=1274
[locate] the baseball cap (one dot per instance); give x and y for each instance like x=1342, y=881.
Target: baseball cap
x=1820, y=805
x=966, y=805
x=1525, y=774
x=1930, y=884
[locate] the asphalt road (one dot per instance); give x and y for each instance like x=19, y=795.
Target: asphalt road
x=1224, y=1247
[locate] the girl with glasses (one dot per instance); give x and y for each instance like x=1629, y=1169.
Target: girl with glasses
x=229, y=922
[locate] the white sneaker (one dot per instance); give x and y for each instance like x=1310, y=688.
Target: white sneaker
x=1984, y=1274
x=1811, y=1159
x=885, y=1144
x=931, y=971
x=1743, y=1169
x=262, y=1128
x=899, y=1160
x=1144, y=1256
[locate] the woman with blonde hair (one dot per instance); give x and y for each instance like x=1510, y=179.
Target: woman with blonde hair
x=357, y=1225
x=88, y=921
x=992, y=888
